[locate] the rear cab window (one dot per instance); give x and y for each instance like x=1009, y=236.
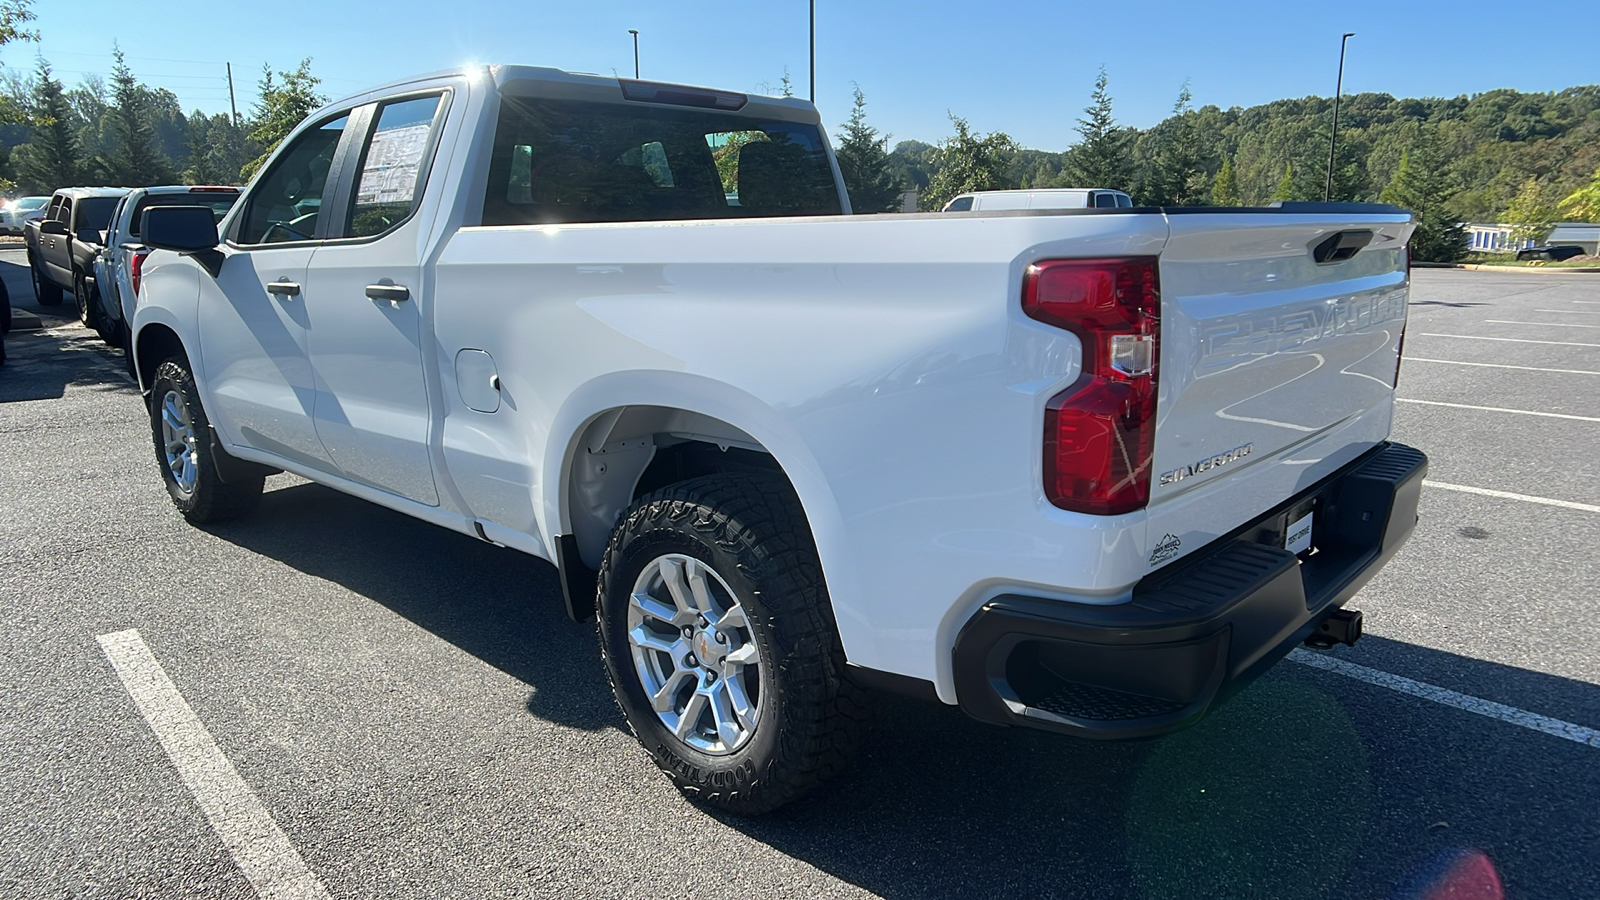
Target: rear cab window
x=559, y=161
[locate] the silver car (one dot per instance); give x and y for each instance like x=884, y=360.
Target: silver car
x=19, y=212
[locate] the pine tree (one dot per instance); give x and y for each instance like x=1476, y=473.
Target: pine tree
x=967, y=162
x=1286, y=187
x=51, y=158
x=280, y=109
x=1100, y=160
x=1225, y=190
x=1174, y=177
x=1531, y=214
x=1420, y=185
x=133, y=160
x=786, y=84
x=863, y=156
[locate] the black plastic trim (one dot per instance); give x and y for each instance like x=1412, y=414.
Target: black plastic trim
x=893, y=683
x=1195, y=631
x=578, y=581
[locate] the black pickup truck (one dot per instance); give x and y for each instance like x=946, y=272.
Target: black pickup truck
x=62, y=246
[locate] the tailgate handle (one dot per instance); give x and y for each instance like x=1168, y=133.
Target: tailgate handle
x=1340, y=247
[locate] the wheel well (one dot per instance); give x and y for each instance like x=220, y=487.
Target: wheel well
x=626, y=453
x=153, y=345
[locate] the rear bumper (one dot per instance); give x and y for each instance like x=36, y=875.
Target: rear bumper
x=1197, y=631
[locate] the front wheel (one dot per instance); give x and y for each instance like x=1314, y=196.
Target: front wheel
x=719, y=639
x=182, y=436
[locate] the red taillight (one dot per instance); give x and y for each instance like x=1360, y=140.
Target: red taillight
x=136, y=269
x=1099, y=434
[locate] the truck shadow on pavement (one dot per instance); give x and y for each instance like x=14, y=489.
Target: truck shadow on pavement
x=1306, y=785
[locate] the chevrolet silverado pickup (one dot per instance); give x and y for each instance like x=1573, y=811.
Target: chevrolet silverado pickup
x=1088, y=471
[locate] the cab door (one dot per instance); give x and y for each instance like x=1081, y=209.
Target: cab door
x=371, y=409
x=254, y=315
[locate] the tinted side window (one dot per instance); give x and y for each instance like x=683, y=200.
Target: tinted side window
x=63, y=211
x=287, y=199
x=568, y=161
x=959, y=204
x=1105, y=200
x=391, y=166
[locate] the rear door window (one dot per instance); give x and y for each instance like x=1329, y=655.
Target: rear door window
x=569, y=161
x=393, y=166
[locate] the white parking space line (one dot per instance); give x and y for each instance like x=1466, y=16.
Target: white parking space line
x=1507, y=495
x=1500, y=409
x=258, y=846
x=1484, y=337
x=1511, y=715
x=1587, y=312
x=1457, y=362
x=1550, y=324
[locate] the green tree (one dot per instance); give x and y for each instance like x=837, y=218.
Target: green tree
x=14, y=15
x=282, y=105
x=1583, y=204
x=1101, y=159
x=1421, y=185
x=51, y=157
x=133, y=159
x=1530, y=214
x=863, y=156
x=786, y=84
x=1286, y=186
x=1225, y=189
x=217, y=150
x=969, y=162
x=1173, y=175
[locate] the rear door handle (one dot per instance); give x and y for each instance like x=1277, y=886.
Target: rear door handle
x=283, y=288
x=392, y=292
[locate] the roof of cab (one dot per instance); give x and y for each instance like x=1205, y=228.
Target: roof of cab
x=78, y=193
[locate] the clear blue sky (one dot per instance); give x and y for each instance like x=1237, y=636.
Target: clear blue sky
x=1022, y=66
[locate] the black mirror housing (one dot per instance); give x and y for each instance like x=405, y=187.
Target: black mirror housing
x=52, y=226
x=186, y=229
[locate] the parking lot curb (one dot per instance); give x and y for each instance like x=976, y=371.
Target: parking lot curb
x=22, y=320
x=1542, y=270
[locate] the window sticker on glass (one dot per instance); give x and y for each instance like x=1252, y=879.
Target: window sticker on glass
x=389, y=169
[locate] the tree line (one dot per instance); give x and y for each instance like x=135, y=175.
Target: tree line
x=126, y=133
x=1500, y=156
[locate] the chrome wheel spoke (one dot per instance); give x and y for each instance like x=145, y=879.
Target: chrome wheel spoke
x=744, y=655
x=672, y=576
x=733, y=618
x=690, y=719
x=655, y=609
x=662, y=701
x=729, y=728
x=642, y=636
x=739, y=701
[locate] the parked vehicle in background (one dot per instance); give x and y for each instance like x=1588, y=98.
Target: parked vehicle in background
x=1559, y=253
x=63, y=245
x=19, y=212
x=117, y=267
x=1041, y=198
x=782, y=451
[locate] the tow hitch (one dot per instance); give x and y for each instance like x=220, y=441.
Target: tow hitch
x=1342, y=626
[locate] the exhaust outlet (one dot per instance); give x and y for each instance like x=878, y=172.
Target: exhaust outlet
x=1342, y=626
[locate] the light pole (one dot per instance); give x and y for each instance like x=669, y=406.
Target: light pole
x=635, y=33
x=813, y=66
x=1333, y=136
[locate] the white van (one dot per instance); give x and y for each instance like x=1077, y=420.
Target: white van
x=1043, y=198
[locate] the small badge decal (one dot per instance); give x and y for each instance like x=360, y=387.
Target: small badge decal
x=1166, y=548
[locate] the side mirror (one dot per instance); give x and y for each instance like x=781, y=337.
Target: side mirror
x=89, y=235
x=186, y=229
x=52, y=226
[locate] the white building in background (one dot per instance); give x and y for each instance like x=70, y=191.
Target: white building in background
x=1497, y=238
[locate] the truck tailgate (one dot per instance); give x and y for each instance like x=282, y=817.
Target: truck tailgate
x=1280, y=336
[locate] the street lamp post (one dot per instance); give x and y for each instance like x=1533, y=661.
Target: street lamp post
x=1333, y=136
x=813, y=66
x=635, y=33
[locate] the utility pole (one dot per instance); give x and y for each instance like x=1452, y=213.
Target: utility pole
x=232, y=106
x=813, y=66
x=635, y=33
x=1333, y=136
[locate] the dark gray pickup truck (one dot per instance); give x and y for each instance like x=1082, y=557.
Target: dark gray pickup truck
x=62, y=246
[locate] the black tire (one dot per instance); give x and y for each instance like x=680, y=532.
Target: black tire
x=45, y=291
x=88, y=306
x=210, y=499
x=125, y=341
x=5, y=309
x=750, y=530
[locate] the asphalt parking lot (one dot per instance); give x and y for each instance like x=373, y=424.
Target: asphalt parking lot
x=416, y=715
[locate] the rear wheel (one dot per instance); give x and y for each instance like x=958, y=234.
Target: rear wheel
x=182, y=435
x=719, y=640
x=44, y=290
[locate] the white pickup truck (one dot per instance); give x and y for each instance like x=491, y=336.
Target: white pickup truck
x=1088, y=471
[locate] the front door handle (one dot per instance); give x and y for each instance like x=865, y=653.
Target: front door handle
x=392, y=292
x=283, y=288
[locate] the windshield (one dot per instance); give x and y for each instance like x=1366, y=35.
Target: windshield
x=31, y=203
x=218, y=201
x=95, y=212
x=563, y=161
